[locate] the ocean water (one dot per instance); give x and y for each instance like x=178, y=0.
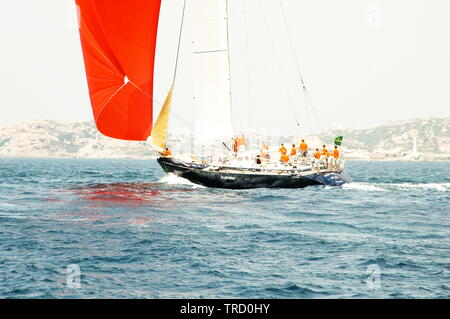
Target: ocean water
x=124, y=229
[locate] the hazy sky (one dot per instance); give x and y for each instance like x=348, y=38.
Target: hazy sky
x=364, y=62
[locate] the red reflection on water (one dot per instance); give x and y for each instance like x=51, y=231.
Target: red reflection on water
x=127, y=193
x=120, y=192
x=93, y=203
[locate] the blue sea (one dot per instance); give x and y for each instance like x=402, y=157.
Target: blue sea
x=75, y=228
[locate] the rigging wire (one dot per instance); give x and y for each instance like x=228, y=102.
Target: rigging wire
x=179, y=42
x=179, y=117
x=315, y=113
x=307, y=114
x=283, y=77
x=305, y=91
x=183, y=121
x=248, y=64
x=229, y=64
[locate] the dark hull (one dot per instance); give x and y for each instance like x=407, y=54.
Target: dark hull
x=219, y=179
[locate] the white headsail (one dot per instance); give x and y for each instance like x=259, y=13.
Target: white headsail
x=211, y=68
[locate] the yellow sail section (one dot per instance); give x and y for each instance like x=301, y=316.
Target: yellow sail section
x=159, y=131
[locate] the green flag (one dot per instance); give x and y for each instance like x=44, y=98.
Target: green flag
x=338, y=140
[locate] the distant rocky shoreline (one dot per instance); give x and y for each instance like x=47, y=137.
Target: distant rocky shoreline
x=391, y=142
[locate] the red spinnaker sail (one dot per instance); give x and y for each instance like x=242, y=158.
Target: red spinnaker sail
x=118, y=38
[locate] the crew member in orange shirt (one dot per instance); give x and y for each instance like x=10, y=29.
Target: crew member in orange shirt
x=328, y=159
x=283, y=149
x=336, y=162
x=293, y=150
x=167, y=152
x=284, y=158
x=317, y=154
x=235, y=144
x=242, y=141
x=336, y=152
x=324, y=149
x=316, y=163
x=303, y=148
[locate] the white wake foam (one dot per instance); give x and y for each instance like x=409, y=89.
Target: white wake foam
x=442, y=187
x=363, y=187
x=173, y=179
x=383, y=187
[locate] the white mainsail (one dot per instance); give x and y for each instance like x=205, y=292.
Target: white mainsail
x=211, y=69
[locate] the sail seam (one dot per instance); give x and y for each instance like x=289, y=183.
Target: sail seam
x=211, y=51
x=106, y=37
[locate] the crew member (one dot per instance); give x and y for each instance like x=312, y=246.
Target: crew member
x=336, y=161
x=235, y=144
x=242, y=143
x=284, y=158
x=293, y=150
x=328, y=159
x=303, y=149
x=317, y=154
x=324, y=149
x=316, y=163
x=336, y=152
x=243, y=140
x=283, y=149
x=167, y=152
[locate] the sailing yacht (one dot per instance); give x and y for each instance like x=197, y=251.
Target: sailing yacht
x=119, y=41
